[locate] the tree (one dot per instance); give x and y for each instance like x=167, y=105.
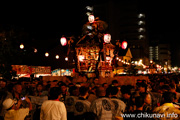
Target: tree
x=9, y=49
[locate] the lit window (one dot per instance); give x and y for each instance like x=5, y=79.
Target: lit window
x=141, y=36
x=89, y=8
x=89, y=27
x=88, y=13
x=141, y=30
x=141, y=15
x=141, y=23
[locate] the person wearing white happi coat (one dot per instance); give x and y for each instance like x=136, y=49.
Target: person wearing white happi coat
x=53, y=109
x=103, y=107
x=119, y=104
x=82, y=105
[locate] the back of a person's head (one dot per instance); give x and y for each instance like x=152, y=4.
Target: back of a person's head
x=71, y=89
x=139, y=101
x=142, y=84
x=162, y=80
x=172, y=86
x=3, y=81
x=54, y=93
x=39, y=84
x=108, y=90
x=16, y=84
x=104, y=84
x=62, y=84
x=100, y=91
x=144, y=94
x=125, y=90
x=165, y=87
x=10, y=87
x=83, y=90
x=168, y=97
x=114, y=82
x=114, y=90
x=55, y=81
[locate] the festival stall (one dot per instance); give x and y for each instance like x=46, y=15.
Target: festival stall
x=27, y=71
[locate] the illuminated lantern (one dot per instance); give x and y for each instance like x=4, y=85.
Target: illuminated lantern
x=35, y=50
x=81, y=58
x=22, y=46
x=91, y=18
x=46, y=54
x=66, y=58
x=108, y=58
x=124, y=45
x=107, y=38
x=63, y=41
x=57, y=56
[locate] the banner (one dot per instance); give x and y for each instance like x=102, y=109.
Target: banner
x=28, y=70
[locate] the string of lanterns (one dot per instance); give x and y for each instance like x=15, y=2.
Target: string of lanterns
x=64, y=42
x=131, y=63
x=35, y=51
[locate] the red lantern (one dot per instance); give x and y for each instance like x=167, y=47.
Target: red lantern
x=124, y=45
x=91, y=18
x=107, y=38
x=63, y=41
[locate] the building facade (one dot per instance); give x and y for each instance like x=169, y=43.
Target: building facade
x=126, y=21
x=160, y=54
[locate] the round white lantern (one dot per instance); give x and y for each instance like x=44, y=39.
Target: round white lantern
x=63, y=41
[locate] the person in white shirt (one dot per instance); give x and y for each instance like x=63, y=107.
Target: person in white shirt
x=53, y=109
x=103, y=107
x=14, y=112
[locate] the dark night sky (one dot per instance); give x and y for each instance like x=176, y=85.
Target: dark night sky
x=48, y=21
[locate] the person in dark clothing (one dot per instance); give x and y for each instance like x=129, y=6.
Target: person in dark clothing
x=126, y=98
x=147, y=102
x=70, y=101
x=139, y=114
x=63, y=88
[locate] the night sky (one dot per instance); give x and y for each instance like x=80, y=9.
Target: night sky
x=48, y=21
x=163, y=23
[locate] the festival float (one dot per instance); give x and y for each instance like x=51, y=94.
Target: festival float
x=93, y=53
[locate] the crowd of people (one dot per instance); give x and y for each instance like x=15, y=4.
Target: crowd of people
x=157, y=98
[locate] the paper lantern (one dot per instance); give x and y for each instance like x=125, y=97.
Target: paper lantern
x=63, y=41
x=35, y=50
x=124, y=45
x=46, y=54
x=66, y=58
x=57, y=56
x=107, y=38
x=81, y=57
x=91, y=18
x=21, y=46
